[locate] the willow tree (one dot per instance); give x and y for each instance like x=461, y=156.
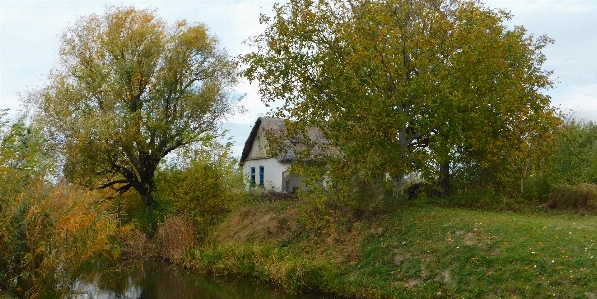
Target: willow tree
x=401, y=86
x=129, y=89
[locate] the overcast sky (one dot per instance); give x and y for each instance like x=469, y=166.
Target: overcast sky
x=29, y=32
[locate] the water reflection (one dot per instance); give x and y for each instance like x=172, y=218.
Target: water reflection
x=157, y=280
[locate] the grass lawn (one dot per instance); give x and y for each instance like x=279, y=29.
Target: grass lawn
x=483, y=254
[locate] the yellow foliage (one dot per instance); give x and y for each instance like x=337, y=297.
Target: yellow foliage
x=54, y=232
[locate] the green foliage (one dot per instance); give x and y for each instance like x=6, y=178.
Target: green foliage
x=24, y=156
x=321, y=214
x=129, y=89
x=574, y=159
x=204, y=188
x=401, y=86
x=537, y=190
x=484, y=199
x=147, y=219
x=568, y=166
x=293, y=273
x=327, y=211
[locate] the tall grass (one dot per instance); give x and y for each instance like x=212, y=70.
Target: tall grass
x=49, y=235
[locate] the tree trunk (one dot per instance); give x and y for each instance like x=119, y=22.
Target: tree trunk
x=148, y=200
x=399, y=181
x=145, y=190
x=146, y=169
x=444, y=178
x=524, y=174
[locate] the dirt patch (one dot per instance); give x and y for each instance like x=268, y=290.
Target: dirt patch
x=401, y=258
x=264, y=223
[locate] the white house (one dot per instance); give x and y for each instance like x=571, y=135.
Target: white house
x=270, y=171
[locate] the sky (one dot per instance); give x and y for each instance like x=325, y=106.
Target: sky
x=30, y=31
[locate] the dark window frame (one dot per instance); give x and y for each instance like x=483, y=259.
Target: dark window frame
x=261, y=175
x=253, y=175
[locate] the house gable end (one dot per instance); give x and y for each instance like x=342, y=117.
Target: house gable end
x=288, y=148
x=256, y=146
x=249, y=143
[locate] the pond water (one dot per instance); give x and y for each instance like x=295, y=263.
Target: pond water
x=158, y=280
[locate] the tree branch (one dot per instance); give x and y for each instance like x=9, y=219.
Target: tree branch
x=112, y=183
x=318, y=86
x=176, y=145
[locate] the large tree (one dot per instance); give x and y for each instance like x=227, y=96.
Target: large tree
x=129, y=89
x=406, y=85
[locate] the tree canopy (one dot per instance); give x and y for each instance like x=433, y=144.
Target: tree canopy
x=574, y=159
x=129, y=89
x=402, y=86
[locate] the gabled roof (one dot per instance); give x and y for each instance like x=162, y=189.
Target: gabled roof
x=290, y=145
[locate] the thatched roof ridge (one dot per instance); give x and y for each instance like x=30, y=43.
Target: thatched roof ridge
x=250, y=139
x=290, y=146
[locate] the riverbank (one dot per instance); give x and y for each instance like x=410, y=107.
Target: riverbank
x=414, y=251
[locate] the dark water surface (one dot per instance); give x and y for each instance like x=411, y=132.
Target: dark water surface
x=158, y=280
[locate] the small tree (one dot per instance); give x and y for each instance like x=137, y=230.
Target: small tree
x=24, y=155
x=128, y=91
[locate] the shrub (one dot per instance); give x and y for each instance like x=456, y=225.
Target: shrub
x=204, y=190
x=581, y=198
x=175, y=237
x=289, y=270
x=50, y=234
x=322, y=212
x=480, y=199
x=574, y=159
x=537, y=191
x=134, y=242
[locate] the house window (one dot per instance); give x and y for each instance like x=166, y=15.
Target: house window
x=252, y=175
x=261, y=174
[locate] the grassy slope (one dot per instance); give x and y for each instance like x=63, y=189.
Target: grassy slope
x=416, y=251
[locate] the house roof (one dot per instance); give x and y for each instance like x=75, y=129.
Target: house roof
x=291, y=146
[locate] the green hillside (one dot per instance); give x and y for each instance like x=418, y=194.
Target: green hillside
x=414, y=251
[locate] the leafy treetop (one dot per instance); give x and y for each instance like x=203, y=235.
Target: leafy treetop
x=129, y=90
x=403, y=86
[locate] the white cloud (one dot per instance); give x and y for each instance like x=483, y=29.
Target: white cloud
x=30, y=31
x=580, y=99
x=536, y=6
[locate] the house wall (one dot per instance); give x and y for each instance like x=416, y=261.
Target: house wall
x=277, y=176
x=273, y=173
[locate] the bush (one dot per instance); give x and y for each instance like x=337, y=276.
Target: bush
x=204, y=190
x=175, y=237
x=50, y=234
x=331, y=211
x=537, y=191
x=289, y=270
x=480, y=199
x=574, y=159
x=581, y=198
